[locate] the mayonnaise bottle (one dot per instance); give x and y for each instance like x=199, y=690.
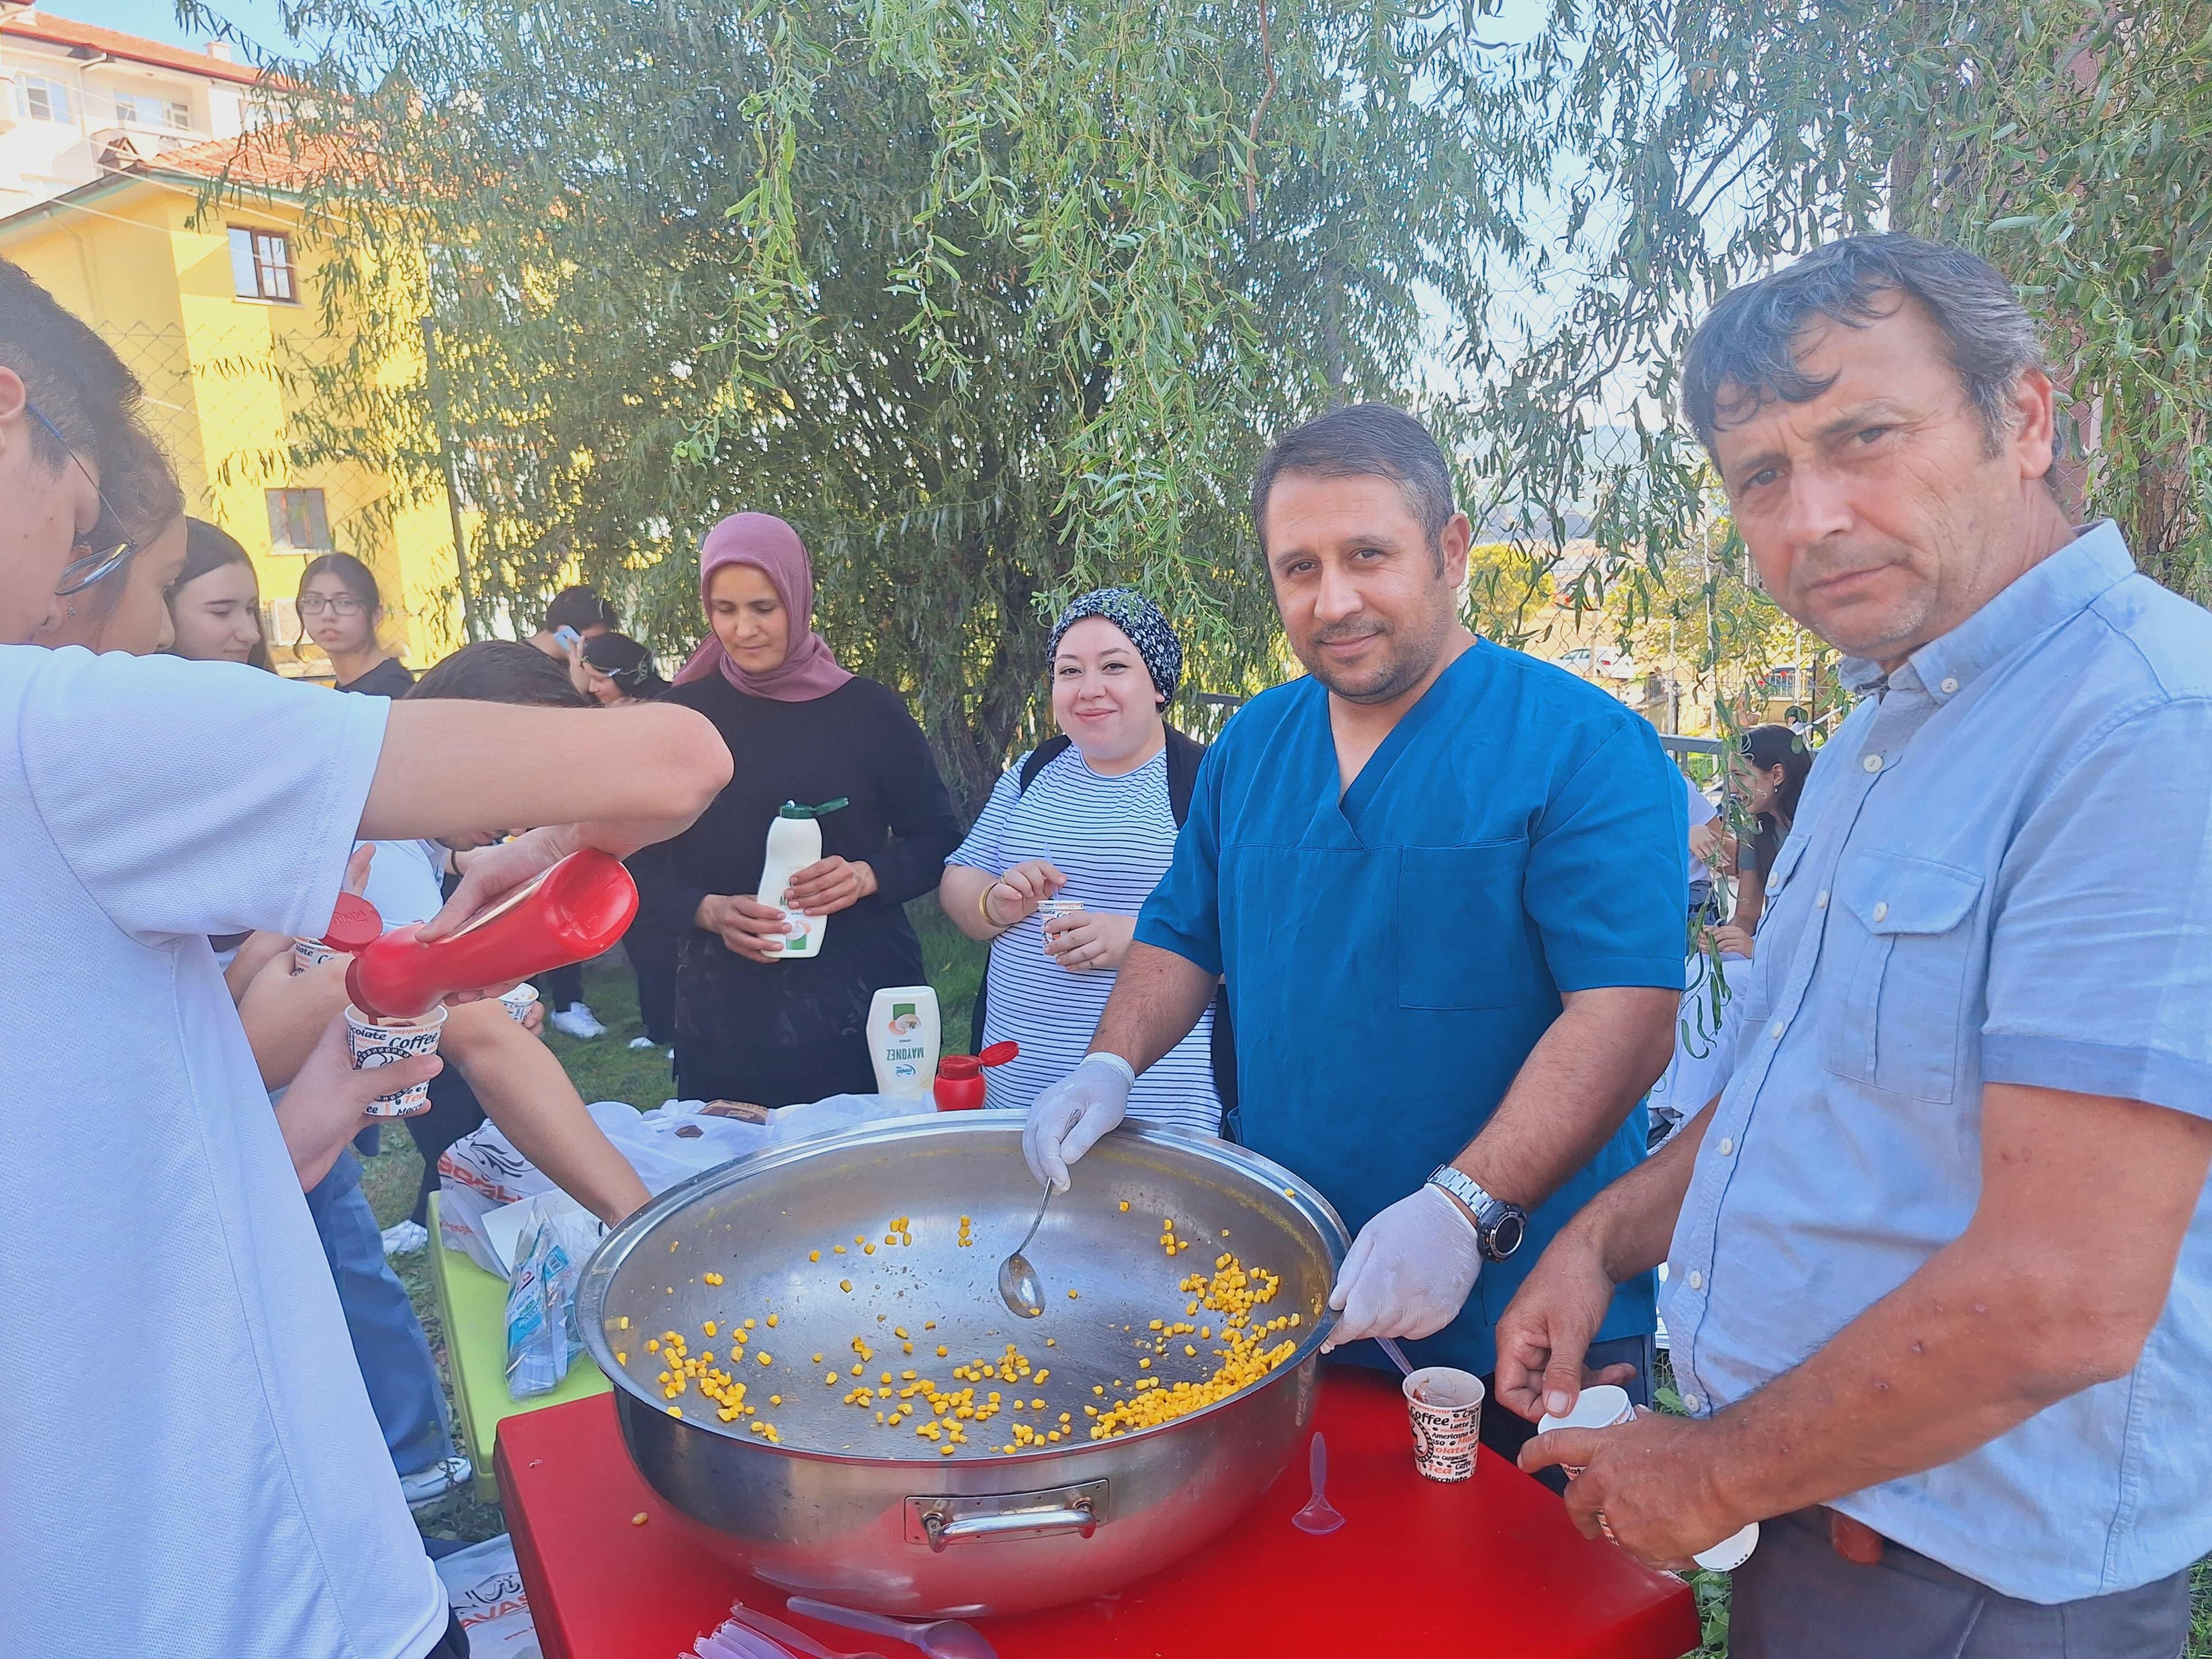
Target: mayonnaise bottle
x=902, y=1040
x=794, y=840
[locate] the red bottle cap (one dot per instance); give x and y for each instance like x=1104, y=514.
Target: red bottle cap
x=998, y=1054
x=956, y=1066
x=354, y=925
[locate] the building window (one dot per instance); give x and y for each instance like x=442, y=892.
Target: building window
x=37, y=99
x=261, y=263
x=297, y=522
x=144, y=110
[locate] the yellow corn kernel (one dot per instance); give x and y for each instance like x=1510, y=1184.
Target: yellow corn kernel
x=622, y=1324
x=675, y=1411
x=930, y=1325
x=1040, y=1376
x=639, y=1519
x=940, y=1351
x=653, y=1345
x=709, y=1327
x=831, y=1379
x=1071, y=1295
x=818, y=1358
x=845, y=1285
x=814, y=1255
x=1145, y=1364
x=771, y=1322
x=1124, y=1206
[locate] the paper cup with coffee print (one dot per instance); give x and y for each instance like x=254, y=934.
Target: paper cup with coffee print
x=311, y=953
x=1604, y=1406
x=372, y=1042
x=1445, y=1405
x=517, y=1002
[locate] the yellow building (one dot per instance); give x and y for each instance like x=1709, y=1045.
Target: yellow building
x=211, y=301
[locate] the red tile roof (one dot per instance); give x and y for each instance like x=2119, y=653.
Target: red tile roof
x=265, y=158
x=44, y=26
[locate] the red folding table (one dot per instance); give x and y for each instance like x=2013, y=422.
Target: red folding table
x=1489, y=1566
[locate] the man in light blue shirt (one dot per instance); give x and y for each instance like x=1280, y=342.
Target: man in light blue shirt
x=1939, y=1257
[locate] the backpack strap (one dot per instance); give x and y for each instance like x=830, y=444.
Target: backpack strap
x=1042, y=757
x=1183, y=756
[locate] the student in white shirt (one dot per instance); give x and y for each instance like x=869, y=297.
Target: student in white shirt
x=237, y=1499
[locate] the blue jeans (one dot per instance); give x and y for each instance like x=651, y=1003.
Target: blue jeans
x=388, y=1343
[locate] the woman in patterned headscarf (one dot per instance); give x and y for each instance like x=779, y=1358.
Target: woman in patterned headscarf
x=1076, y=835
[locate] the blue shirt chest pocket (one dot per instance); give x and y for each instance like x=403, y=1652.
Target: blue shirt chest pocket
x=1462, y=928
x=1900, y=955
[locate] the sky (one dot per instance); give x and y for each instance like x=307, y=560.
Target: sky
x=156, y=19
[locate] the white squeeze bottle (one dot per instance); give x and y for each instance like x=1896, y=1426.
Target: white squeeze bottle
x=902, y=1040
x=794, y=840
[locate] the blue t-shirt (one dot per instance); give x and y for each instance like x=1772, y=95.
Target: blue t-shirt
x=1395, y=949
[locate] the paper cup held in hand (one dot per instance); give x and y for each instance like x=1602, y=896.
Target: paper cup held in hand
x=1604, y=1406
x=517, y=1002
x=1446, y=1408
x=311, y=953
x=372, y=1042
x=1730, y=1552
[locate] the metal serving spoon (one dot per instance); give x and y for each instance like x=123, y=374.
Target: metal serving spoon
x=1018, y=1280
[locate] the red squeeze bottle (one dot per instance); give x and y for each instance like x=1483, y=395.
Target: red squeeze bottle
x=571, y=913
x=959, y=1085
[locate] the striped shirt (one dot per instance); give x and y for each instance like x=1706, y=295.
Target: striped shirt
x=1113, y=839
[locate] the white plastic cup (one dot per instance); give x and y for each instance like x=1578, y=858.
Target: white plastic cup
x=517, y=1002
x=374, y=1042
x=1604, y=1406
x=311, y=953
x=1445, y=1407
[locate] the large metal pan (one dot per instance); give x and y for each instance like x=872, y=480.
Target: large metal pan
x=876, y=1518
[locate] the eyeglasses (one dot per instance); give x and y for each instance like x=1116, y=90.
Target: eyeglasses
x=107, y=550
x=338, y=605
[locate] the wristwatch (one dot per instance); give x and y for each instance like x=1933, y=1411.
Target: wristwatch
x=1499, y=1227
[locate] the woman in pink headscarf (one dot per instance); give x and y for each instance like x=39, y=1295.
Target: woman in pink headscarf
x=749, y=1024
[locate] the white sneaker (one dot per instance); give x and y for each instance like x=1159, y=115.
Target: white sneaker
x=640, y=1043
x=405, y=1237
x=429, y=1485
x=578, y=1021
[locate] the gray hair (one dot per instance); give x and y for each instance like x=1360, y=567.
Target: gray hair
x=1747, y=343
x=1363, y=440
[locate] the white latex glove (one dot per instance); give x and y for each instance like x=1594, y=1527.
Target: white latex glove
x=1068, y=1119
x=1409, y=1272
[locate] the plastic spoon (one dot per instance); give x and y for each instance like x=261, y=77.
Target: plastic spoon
x=1018, y=1280
x=1319, y=1516
x=791, y=1635
x=1397, y=1355
x=946, y=1638
x=736, y=1641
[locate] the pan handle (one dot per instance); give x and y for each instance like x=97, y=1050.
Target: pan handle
x=942, y=1521
x=1031, y=1524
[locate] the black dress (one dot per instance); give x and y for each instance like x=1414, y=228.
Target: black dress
x=776, y=1033
x=389, y=678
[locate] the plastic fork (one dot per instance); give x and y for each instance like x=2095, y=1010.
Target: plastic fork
x=762, y=1625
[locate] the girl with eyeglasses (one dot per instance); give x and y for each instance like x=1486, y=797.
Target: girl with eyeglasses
x=339, y=611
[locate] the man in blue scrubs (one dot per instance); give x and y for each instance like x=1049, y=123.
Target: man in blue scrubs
x=1443, y=881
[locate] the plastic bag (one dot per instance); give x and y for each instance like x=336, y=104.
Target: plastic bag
x=542, y=1338
x=677, y=1140
x=485, y=1588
